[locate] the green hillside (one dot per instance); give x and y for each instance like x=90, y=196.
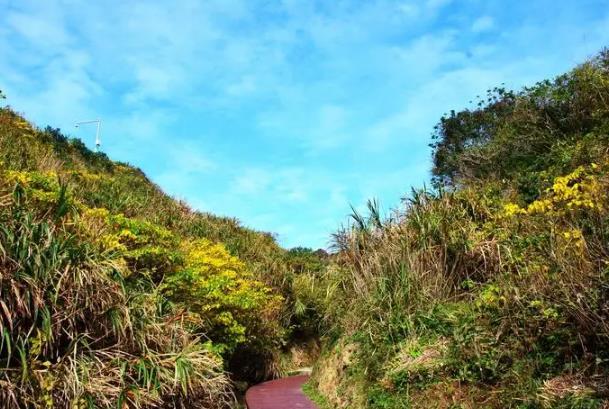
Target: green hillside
x=491, y=289
x=113, y=294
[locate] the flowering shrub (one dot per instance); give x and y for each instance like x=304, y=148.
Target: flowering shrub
x=226, y=301
x=218, y=288
x=43, y=187
x=73, y=334
x=578, y=190
x=148, y=240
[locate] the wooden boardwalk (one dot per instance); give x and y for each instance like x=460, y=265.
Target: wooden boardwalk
x=283, y=393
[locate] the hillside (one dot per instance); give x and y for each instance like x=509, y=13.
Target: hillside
x=113, y=294
x=491, y=289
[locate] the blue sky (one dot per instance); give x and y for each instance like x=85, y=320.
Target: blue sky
x=280, y=113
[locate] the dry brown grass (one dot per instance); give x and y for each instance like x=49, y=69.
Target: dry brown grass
x=75, y=334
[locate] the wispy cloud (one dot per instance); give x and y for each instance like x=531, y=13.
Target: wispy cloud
x=280, y=113
x=482, y=24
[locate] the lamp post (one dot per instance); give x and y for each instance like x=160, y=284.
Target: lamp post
x=97, y=137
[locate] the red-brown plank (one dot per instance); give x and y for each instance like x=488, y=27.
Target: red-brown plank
x=283, y=393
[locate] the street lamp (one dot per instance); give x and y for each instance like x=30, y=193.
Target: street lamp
x=97, y=138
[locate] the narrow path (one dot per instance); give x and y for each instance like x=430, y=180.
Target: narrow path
x=283, y=393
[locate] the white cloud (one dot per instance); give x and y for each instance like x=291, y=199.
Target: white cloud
x=437, y=4
x=185, y=167
x=45, y=31
x=279, y=113
x=282, y=184
x=425, y=55
x=483, y=24
x=409, y=10
x=154, y=82
x=252, y=181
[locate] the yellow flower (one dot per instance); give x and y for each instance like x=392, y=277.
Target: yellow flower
x=126, y=234
x=98, y=212
x=511, y=209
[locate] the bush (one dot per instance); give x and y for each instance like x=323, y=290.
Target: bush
x=151, y=246
x=227, y=300
x=73, y=335
x=489, y=290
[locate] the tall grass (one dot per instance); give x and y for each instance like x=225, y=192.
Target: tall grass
x=73, y=333
x=490, y=289
x=94, y=183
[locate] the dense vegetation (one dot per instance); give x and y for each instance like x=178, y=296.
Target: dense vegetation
x=113, y=294
x=490, y=290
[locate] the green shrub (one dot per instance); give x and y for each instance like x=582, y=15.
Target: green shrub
x=73, y=335
x=489, y=290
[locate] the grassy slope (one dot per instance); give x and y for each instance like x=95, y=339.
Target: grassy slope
x=136, y=274
x=491, y=290
x=123, y=189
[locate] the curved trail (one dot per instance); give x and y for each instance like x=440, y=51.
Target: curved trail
x=283, y=393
